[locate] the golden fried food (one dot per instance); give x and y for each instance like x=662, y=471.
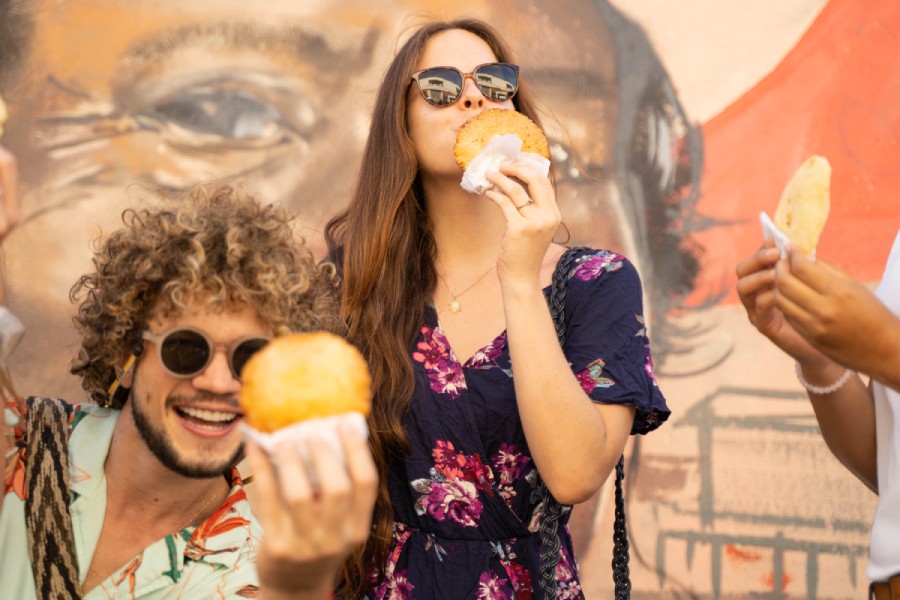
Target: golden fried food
x=302, y=376
x=3, y=115
x=478, y=131
x=805, y=202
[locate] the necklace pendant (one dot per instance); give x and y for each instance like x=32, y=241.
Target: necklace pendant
x=454, y=306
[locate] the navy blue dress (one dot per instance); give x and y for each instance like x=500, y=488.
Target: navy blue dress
x=466, y=518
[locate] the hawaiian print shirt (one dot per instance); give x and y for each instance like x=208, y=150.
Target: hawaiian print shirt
x=466, y=515
x=213, y=560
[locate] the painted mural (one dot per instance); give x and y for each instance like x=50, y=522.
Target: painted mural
x=672, y=125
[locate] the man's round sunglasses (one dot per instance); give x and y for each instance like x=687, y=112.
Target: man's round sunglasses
x=186, y=352
x=442, y=86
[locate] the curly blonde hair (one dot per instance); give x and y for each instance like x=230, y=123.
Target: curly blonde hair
x=215, y=244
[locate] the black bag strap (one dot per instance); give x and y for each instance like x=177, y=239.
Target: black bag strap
x=549, y=527
x=50, y=536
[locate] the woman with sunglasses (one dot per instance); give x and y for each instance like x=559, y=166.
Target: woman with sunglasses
x=445, y=293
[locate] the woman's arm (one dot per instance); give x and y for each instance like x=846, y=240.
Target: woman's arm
x=575, y=443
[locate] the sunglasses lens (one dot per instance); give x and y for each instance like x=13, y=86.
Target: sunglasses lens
x=497, y=81
x=243, y=353
x=440, y=86
x=185, y=352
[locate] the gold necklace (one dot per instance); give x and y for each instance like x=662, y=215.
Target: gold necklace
x=454, y=306
x=200, y=511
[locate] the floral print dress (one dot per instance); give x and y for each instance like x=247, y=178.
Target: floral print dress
x=466, y=515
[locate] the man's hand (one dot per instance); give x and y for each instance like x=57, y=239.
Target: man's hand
x=838, y=315
x=756, y=288
x=312, y=517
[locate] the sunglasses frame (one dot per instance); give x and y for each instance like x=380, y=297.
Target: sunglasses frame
x=415, y=77
x=159, y=339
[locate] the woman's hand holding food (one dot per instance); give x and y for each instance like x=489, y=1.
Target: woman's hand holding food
x=528, y=202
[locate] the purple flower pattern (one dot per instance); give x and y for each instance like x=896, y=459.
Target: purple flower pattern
x=395, y=585
x=591, y=377
x=568, y=586
x=591, y=266
x=511, y=464
x=445, y=374
x=519, y=577
x=648, y=360
x=469, y=451
x=493, y=587
x=451, y=493
x=487, y=356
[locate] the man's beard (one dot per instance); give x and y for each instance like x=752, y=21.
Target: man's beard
x=162, y=448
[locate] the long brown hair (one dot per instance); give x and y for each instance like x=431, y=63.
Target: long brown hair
x=384, y=247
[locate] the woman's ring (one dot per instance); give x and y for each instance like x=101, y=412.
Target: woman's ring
x=528, y=203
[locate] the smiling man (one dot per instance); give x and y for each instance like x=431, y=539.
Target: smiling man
x=181, y=297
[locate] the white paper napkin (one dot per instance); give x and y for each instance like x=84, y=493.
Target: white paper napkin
x=505, y=149
x=771, y=232
x=325, y=428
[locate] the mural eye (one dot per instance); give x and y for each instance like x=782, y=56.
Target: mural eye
x=215, y=115
x=227, y=113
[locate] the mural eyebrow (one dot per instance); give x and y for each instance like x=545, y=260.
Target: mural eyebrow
x=347, y=50
x=570, y=78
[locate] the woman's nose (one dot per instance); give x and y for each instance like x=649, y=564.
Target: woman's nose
x=471, y=95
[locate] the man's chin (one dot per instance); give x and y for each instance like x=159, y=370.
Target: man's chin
x=205, y=468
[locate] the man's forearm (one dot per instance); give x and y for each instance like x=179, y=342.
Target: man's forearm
x=846, y=418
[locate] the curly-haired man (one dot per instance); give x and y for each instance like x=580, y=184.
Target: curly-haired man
x=181, y=296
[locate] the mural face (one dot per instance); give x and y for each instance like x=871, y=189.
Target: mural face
x=109, y=97
x=109, y=102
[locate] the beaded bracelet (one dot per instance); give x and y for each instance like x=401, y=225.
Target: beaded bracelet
x=822, y=390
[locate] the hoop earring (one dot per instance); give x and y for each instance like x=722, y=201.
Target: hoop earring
x=568, y=234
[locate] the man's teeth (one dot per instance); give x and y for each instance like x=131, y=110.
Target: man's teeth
x=213, y=416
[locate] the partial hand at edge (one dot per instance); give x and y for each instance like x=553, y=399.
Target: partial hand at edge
x=10, y=207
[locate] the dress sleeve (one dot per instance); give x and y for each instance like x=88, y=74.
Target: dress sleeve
x=606, y=337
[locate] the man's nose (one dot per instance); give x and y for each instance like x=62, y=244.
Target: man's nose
x=217, y=376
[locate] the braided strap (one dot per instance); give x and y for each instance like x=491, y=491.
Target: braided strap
x=550, y=548
x=47, y=517
x=621, y=576
x=552, y=509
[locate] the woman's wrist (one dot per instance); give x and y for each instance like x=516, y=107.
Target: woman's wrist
x=520, y=289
